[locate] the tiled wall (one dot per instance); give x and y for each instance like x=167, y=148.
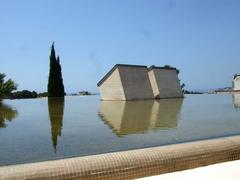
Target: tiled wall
x=131, y=164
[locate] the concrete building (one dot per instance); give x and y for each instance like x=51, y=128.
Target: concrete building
x=236, y=82
x=132, y=117
x=126, y=82
x=165, y=82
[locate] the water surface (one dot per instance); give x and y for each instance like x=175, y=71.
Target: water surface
x=40, y=129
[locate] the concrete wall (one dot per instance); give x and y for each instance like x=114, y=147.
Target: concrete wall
x=236, y=84
x=165, y=83
x=111, y=88
x=136, y=83
x=130, y=164
x=154, y=84
x=129, y=82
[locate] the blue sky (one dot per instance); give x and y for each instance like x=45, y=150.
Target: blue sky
x=200, y=37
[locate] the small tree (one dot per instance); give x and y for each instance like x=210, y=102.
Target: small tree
x=6, y=87
x=55, y=81
x=182, y=87
x=170, y=67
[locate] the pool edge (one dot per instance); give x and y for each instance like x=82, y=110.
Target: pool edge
x=132, y=163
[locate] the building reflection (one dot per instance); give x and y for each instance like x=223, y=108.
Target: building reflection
x=130, y=117
x=236, y=100
x=56, y=111
x=7, y=113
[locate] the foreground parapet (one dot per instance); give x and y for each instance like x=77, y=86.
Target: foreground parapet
x=130, y=164
x=165, y=82
x=126, y=82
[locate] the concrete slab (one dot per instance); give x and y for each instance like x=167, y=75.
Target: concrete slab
x=131, y=164
x=221, y=171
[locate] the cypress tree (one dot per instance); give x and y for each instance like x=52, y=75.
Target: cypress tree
x=55, y=81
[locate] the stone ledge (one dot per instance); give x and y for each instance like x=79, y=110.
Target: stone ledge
x=131, y=164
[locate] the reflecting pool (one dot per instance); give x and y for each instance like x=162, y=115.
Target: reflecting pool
x=130, y=117
x=56, y=110
x=40, y=129
x=6, y=114
x=236, y=100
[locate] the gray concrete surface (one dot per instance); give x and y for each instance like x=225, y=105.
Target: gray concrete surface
x=126, y=82
x=221, y=171
x=165, y=83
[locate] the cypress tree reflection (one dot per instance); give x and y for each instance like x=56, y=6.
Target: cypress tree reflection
x=6, y=114
x=56, y=110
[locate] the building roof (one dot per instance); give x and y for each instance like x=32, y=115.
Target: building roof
x=115, y=67
x=159, y=67
x=236, y=75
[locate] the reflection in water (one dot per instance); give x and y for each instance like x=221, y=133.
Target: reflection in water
x=129, y=117
x=236, y=100
x=165, y=113
x=6, y=113
x=56, y=109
